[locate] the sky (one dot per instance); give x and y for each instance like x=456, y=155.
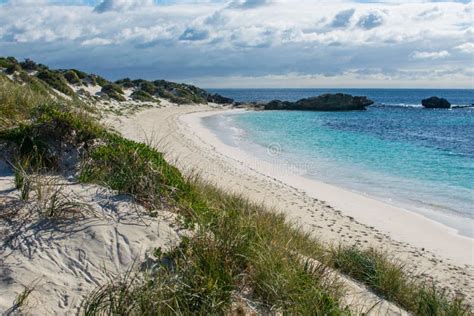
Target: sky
x=250, y=43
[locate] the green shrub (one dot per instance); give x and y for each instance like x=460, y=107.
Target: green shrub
x=114, y=91
x=41, y=141
x=100, y=80
x=72, y=77
x=12, y=69
x=148, y=87
x=6, y=62
x=134, y=169
x=29, y=65
x=126, y=83
x=55, y=80
x=80, y=74
x=143, y=96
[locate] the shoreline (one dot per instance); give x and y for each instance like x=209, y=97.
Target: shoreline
x=402, y=224
x=332, y=215
x=455, y=223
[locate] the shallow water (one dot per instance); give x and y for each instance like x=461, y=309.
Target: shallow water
x=416, y=158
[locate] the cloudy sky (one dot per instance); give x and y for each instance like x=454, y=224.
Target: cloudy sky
x=250, y=43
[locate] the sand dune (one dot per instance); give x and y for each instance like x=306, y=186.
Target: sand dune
x=62, y=260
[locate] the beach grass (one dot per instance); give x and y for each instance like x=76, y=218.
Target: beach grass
x=390, y=279
x=235, y=250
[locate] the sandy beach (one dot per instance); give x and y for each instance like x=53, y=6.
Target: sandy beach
x=331, y=214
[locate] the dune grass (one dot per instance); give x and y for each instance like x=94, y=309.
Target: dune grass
x=261, y=243
x=16, y=102
x=235, y=249
x=390, y=279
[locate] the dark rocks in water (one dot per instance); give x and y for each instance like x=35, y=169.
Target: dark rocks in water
x=435, y=103
x=219, y=99
x=279, y=105
x=325, y=102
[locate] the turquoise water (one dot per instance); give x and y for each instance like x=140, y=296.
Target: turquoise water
x=408, y=156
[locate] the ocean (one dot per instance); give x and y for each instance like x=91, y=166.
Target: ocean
x=396, y=151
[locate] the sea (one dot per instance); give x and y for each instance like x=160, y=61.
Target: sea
x=395, y=151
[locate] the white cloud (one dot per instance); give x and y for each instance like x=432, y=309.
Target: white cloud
x=467, y=48
x=239, y=38
x=430, y=55
x=96, y=42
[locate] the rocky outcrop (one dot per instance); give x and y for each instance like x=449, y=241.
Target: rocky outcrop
x=325, y=102
x=435, y=103
x=219, y=99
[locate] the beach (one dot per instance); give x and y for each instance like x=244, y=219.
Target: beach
x=331, y=214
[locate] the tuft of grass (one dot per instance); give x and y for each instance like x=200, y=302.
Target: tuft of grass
x=17, y=102
x=134, y=169
x=22, y=179
x=390, y=280
x=21, y=298
x=53, y=202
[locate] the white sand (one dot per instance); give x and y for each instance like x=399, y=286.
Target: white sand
x=331, y=214
x=63, y=260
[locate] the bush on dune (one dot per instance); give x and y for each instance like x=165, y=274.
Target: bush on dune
x=6, y=62
x=56, y=81
x=12, y=69
x=143, y=97
x=148, y=87
x=114, y=91
x=72, y=77
x=29, y=65
x=80, y=74
x=126, y=83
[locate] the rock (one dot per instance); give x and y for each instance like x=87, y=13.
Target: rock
x=279, y=105
x=217, y=98
x=325, y=102
x=436, y=103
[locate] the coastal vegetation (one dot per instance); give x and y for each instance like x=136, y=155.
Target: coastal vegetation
x=63, y=80
x=114, y=91
x=236, y=253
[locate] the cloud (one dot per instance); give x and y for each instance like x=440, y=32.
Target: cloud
x=120, y=5
x=189, y=39
x=343, y=18
x=431, y=13
x=430, y=55
x=192, y=34
x=96, y=42
x=248, y=4
x=467, y=48
x=370, y=21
